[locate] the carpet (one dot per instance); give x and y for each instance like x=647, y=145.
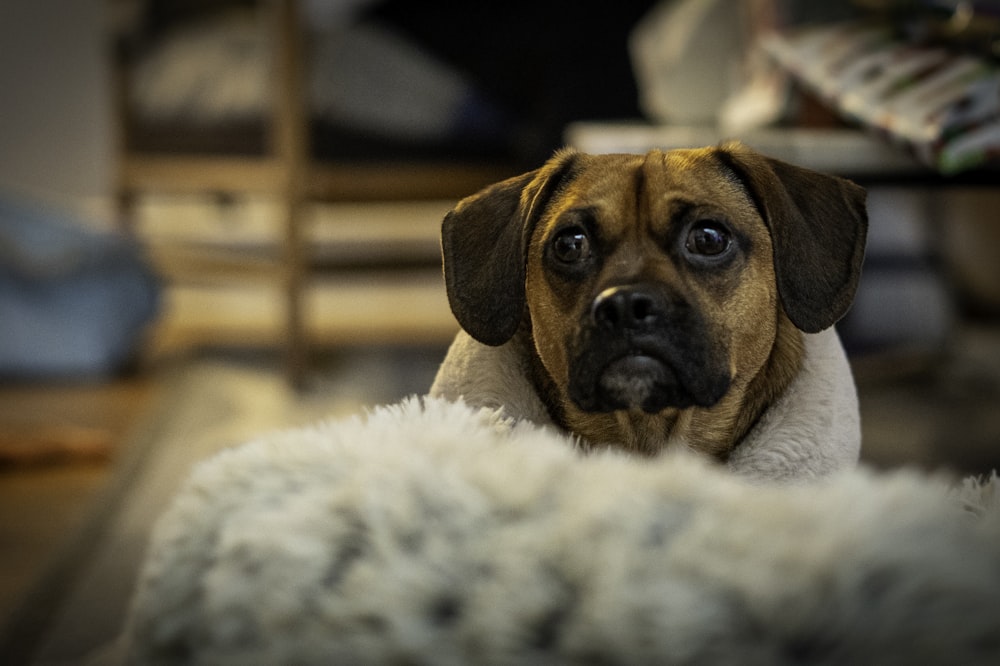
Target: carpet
x=77, y=606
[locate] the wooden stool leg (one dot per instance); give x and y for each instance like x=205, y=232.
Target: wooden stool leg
x=291, y=137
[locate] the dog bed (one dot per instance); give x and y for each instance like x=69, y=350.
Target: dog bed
x=431, y=532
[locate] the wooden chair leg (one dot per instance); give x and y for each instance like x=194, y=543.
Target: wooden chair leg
x=290, y=138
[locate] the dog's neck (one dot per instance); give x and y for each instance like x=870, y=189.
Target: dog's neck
x=713, y=431
x=749, y=403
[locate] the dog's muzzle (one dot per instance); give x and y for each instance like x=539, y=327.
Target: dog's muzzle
x=641, y=350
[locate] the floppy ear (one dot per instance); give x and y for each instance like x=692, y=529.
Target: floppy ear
x=818, y=227
x=483, y=244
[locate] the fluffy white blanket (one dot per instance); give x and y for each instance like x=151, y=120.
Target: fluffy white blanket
x=430, y=532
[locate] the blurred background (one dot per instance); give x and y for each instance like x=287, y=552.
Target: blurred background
x=220, y=217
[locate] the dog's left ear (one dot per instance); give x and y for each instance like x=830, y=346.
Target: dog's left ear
x=484, y=243
x=818, y=227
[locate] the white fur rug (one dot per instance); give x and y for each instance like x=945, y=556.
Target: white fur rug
x=432, y=533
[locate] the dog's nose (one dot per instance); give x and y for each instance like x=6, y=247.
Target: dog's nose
x=622, y=308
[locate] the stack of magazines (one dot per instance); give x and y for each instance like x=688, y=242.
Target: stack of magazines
x=940, y=102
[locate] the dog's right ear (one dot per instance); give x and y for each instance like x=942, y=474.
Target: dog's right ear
x=484, y=243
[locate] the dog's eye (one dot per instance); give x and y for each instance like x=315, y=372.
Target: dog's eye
x=571, y=245
x=708, y=239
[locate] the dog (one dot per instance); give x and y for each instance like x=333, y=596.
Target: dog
x=657, y=301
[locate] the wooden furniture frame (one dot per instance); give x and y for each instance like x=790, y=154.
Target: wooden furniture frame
x=287, y=171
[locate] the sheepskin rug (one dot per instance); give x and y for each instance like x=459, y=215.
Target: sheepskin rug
x=430, y=532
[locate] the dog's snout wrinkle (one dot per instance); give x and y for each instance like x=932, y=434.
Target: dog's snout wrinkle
x=623, y=308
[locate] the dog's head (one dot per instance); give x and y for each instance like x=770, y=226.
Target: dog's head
x=654, y=281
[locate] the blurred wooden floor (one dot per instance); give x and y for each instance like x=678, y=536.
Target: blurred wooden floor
x=57, y=442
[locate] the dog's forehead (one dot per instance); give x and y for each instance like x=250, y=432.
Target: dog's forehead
x=617, y=180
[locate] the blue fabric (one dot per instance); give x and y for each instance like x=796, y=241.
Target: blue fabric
x=73, y=302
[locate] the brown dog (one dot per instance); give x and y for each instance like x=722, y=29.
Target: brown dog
x=651, y=299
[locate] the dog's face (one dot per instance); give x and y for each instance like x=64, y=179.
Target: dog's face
x=654, y=283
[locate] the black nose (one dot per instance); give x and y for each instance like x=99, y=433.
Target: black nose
x=623, y=308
